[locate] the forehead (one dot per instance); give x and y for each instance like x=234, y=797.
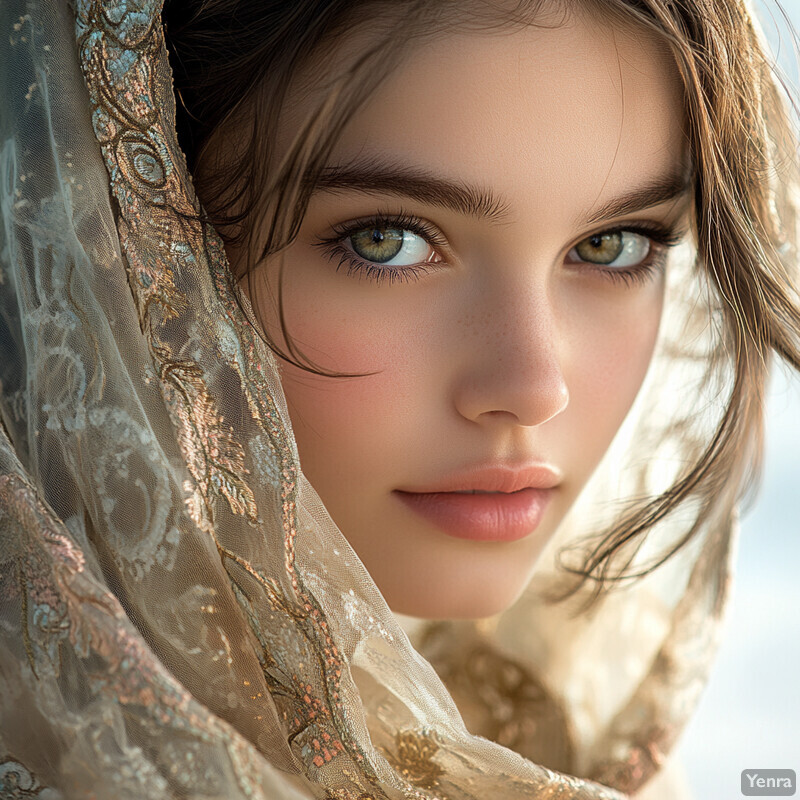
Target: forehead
x=578, y=110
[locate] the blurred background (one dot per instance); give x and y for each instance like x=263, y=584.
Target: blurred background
x=749, y=716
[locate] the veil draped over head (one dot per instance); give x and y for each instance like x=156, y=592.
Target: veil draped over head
x=179, y=615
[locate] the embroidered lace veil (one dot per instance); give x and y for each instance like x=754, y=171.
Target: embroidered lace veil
x=179, y=615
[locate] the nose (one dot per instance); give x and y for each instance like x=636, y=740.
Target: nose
x=514, y=372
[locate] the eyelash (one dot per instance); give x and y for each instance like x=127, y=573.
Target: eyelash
x=333, y=247
x=661, y=237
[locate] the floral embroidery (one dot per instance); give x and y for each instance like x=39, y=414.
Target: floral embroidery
x=16, y=782
x=170, y=255
x=26, y=571
x=413, y=758
x=497, y=696
x=213, y=454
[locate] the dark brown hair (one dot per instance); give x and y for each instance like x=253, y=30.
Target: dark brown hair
x=235, y=61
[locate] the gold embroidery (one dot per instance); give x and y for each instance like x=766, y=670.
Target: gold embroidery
x=44, y=614
x=17, y=781
x=643, y=760
x=413, y=758
x=211, y=451
x=498, y=698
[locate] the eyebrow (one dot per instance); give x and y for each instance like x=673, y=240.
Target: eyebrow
x=373, y=176
x=654, y=193
x=376, y=177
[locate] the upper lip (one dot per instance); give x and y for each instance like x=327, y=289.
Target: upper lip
x=494, y=479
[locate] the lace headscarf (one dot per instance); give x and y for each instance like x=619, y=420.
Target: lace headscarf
x=179, y=615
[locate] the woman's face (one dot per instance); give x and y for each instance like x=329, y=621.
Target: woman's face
x=489, y=243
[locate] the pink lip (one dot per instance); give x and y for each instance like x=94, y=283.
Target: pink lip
x=511, y=510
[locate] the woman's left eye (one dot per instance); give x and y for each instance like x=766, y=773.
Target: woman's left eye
x=612, y=249
x=390, y=247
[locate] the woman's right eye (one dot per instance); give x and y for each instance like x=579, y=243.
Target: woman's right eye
x=393, y=247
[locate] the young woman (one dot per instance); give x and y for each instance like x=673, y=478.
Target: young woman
x=461, y=322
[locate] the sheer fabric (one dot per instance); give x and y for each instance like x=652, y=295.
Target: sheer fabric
x=180, y=617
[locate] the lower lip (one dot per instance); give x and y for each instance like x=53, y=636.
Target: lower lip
x=491, y=517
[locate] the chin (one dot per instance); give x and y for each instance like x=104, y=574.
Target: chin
x=453, y=602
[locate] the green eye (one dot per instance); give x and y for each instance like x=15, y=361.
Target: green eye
x=377, y=244
x=613, y=248
x=391, y=246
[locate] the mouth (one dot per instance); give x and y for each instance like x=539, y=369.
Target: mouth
x=481, y=515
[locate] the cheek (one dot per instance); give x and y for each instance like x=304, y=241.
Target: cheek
x=332, y=415
x=341, y=323
x=352, y=420
x=614, y=355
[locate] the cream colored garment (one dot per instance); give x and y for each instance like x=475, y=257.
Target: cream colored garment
x=669, y=784
x=179, y=615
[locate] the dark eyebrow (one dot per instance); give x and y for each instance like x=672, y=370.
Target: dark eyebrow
x=658, y=191
x=373, y=176
x=376, y=177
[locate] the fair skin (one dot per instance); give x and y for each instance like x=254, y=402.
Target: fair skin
x=507, y=345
